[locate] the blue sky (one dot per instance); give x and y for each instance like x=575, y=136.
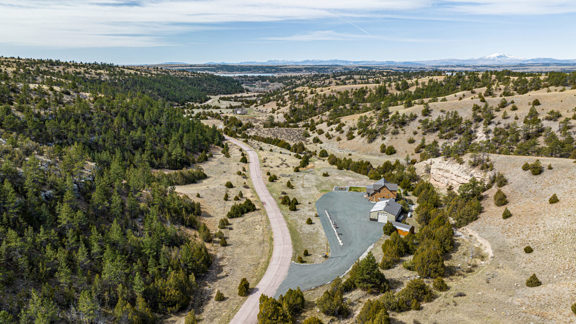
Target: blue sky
x=154, y=31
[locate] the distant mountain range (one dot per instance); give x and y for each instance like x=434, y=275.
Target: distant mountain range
x=494, y=59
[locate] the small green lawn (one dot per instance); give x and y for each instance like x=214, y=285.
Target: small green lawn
x=357, y=189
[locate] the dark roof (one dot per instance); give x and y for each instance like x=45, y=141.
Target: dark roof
x=381, y=183
x=392, y=207
x=388, y=205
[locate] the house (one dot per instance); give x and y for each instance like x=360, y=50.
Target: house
x=387, y=210
x=381, y=189
x=403, y=229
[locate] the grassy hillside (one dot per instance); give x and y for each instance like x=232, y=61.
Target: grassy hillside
x=379, y=124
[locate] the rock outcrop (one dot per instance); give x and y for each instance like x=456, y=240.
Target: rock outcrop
x=442, y=172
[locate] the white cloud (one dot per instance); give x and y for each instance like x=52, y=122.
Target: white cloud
x=105, y=23
x=512, y=7
x=146, y=23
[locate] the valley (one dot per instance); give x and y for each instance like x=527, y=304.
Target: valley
x=145, y=194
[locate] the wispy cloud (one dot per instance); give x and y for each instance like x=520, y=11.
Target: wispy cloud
x=330, y=35
x=512, y=7
x=105, y=23
x=147, y=23
x=320, y=35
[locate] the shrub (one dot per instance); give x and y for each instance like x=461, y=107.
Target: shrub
x=325, y=174
x=536, y=168
x=500, y=198
x=223, y=223
x=190, y=318
x=390, y=301
x=238, y=210
x=289, y=185
x=223, y=242
x=439, y=284
x=533, y=281
x=219, y=296
x=272, y=311
x=204, y=232
x=300, y=259
x=428, y=262
x=528, y=249
x=415, y=292
x=500, y=180
x=312, y=320
x=243, y=159
x=373, y=311
x=293, y=301
x=554, y=199
x=272, y=178
x=393, y=248
x=388, y=229
x=550, y=166
x=332, y=301
x=243, y=288
x=323, y=153
x=574, y=308
x=306, y=253
x=390, y=150
x=365, y=275
x=309, y=221
x=506, y=214
x=226, y=197
x=229, y=185
x=526, y=166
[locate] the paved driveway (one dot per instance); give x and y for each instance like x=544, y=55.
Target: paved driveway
x=349, y=210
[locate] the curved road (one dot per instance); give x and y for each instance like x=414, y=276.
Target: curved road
x=282, y=249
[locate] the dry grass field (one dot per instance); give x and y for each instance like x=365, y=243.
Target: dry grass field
x=309, y=184
x=249, y=237
x=498, y=293
x=489, y=266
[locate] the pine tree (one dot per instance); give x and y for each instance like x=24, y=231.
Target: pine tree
x=243, y=288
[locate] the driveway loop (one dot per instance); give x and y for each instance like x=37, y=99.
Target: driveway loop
x=350, y=211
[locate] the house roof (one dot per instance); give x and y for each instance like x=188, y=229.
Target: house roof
x=388, y=205
x=379, y=184
x=402, y=226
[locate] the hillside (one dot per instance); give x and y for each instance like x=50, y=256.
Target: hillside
x=451, y=141
x=88, y=230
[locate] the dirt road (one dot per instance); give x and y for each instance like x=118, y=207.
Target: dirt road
x=282, y=252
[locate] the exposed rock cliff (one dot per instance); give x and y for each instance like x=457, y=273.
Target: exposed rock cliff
x=443, y=172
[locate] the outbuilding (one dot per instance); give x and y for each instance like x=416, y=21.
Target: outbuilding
x=403, y=229
x=387, y=210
